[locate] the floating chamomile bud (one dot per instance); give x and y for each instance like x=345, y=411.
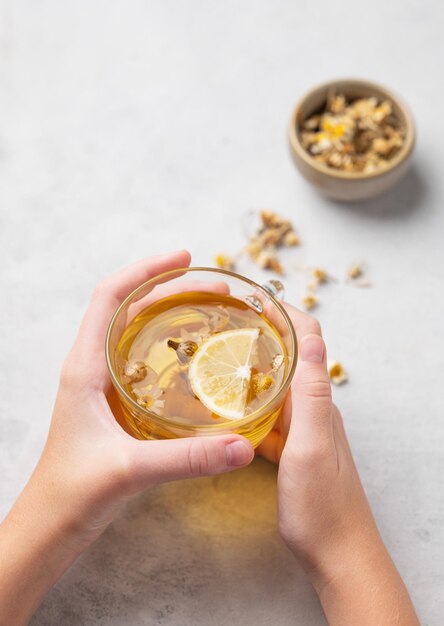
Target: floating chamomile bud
x=261, y=382
x=277, y=362
x=135, y=372
x=184, y=349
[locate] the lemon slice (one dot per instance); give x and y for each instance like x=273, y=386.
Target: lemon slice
x=220, y=371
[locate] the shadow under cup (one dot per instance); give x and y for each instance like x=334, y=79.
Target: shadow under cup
x=146, y=424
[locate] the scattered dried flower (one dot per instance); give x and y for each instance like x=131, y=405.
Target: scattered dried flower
x=336, y=373
x=355, y=271
x=354, y=136
x=291, y=239
x=309, y=301
x=224, y=262
x=272, y=232
x=266, y=232
x=319, y=275
x=268, y=260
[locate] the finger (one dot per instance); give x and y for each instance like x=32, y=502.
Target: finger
x=274, y=443
x=154, y=462
x=86, y=360
x=272, y=446
x=311, y=427
x=112, y=291
x=168, y=289
x=303, y=323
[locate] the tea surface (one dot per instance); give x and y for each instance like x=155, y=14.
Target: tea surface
x=155, y=374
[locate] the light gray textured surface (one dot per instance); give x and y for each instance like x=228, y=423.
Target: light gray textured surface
x=133, y=128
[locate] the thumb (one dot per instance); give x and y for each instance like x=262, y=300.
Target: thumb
x=311, y=395
x=161, y=461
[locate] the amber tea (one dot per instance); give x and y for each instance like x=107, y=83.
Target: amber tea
x=196, y=359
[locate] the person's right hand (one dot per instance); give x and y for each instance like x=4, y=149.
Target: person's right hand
x=324, y=515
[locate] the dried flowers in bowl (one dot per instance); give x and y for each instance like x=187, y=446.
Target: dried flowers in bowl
x=352, y=139
x=353, y=136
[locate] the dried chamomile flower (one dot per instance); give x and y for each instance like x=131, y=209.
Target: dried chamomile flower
x=261, y=382
x=312, y=123
x=269, y=261
x=149, y=394
x=184, y=350
x=319, y=275
x=135, y=372
x=336, y=372
x=382, y=112
x=291, y=239
x=224, y=262
x=355, y=271
x=266, y=232
x=277, y=362
x=309, y=301
x=149, y=398
x=273, y=232
x=336, y=103
x=270, y=219
x=254, y=248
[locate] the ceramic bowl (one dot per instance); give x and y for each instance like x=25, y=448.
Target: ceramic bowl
x=350, y=186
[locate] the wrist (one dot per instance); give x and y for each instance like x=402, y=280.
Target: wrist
x=362, y=552
x=361, y=585
x=37, y=546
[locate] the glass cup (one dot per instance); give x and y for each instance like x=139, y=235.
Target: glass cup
x=146, y=424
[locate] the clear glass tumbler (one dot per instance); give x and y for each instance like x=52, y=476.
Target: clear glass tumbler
x=192, y=284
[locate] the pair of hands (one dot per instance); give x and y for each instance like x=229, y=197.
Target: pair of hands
x=91, y=455
x=90, y=466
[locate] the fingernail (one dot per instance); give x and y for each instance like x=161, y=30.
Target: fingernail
x=312, y=349
x=238, y=453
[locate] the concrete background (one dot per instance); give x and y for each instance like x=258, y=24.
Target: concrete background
x=129, y=128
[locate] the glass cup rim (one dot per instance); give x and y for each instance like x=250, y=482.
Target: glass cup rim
x=204, y=427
